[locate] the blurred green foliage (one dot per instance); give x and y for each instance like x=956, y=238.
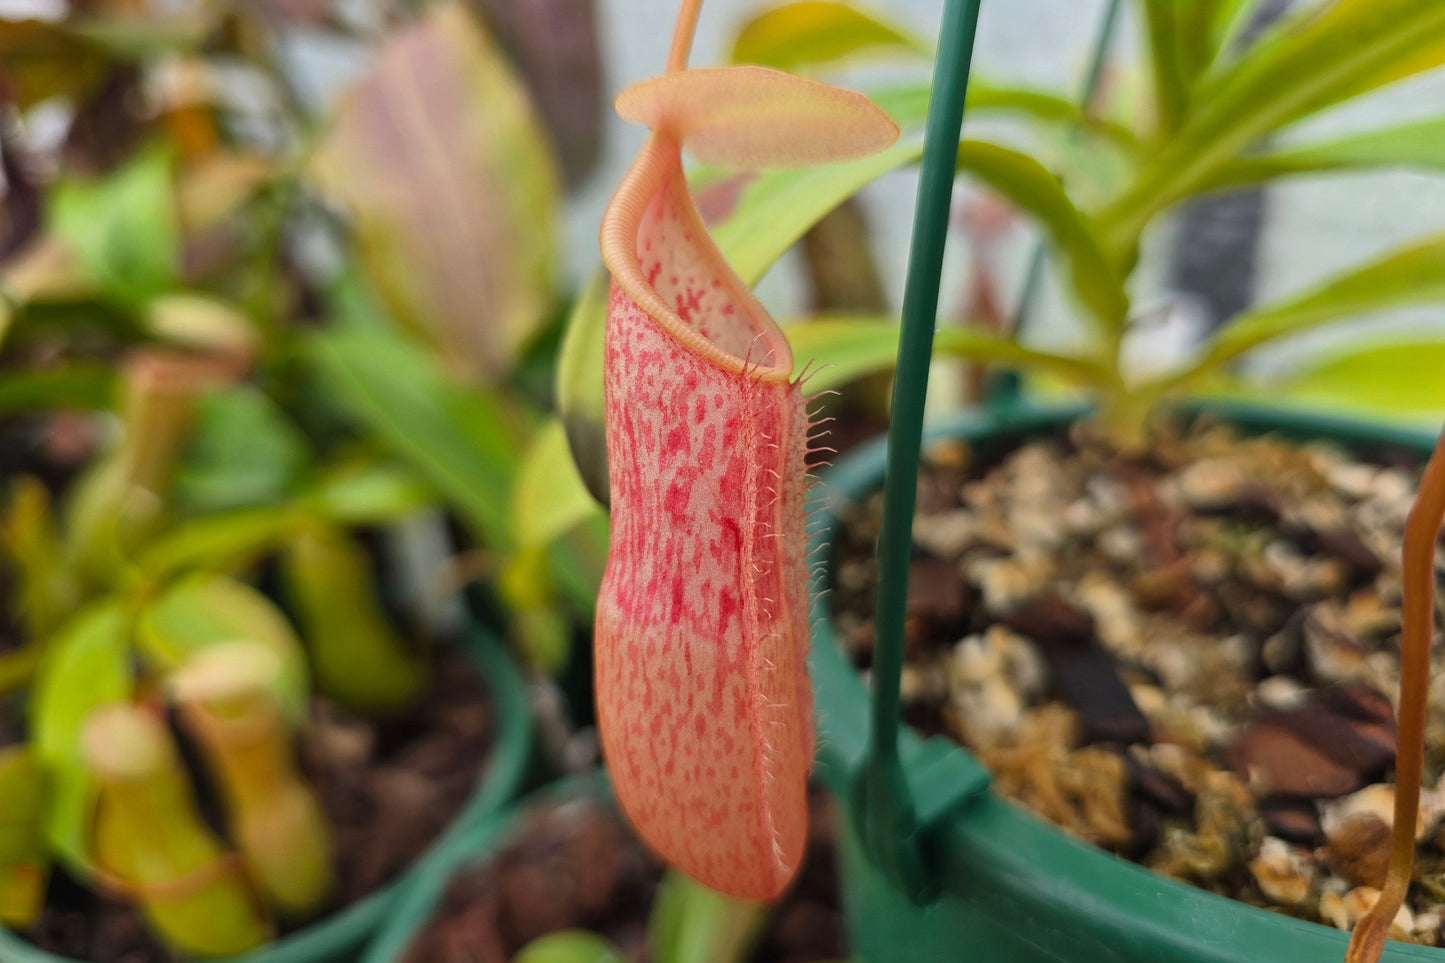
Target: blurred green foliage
x=1096, y=178
x=240, y=323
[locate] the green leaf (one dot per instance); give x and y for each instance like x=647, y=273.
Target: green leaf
x=693, y=924
x=243, y=452
x=123, y=227
x=576, y=561
x=67, y=386
x=839, y=350
x=218, y=543
x=538, y=627
x=362, y=495
x=1048, y=108
x=1399, y=379
x=1228, y=20
x=580, y=402
x=353, y=495
x=1350, y=46
x=1029, y=186
x=548, y=496
x=570, y=946
x=1193, y=38
x=1414, y=145
x=843, y=349
x=1171, y=94
x=1418, y=54
x=819, y=33
x=776, y=207
x=1414, y=274
x=89, y=666
x=206, y=609
x=448, y=174
x=466, y=442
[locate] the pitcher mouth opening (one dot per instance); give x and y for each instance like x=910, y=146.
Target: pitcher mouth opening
x=722, y=321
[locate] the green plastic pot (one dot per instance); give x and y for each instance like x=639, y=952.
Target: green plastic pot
x=341, y=936
x=1011, y=887
x=428, y=886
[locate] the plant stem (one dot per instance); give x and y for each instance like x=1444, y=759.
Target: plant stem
x=682, y=35
x=886, y=806
x=1417, y=610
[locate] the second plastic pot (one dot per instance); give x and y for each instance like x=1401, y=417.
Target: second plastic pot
x=341, y=936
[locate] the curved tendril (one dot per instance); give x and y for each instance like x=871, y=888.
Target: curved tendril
x=1422, y=531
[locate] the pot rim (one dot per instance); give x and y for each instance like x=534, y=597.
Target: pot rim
x=1058, y=894
x=481, y=841
x=339, y=934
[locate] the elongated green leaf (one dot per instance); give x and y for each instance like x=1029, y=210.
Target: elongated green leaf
x=1194, y=36
x=1316, y=61
x=1419, y=145
x=123, y=228
x=218, y=543
x=1029, y=186
x=206, y=609
x=1418, y=56
x=1414, y=274
x=1228, y=20
x=1402, y=379
x=775, y=208
x=548, y=496
x=89, y=666
x=356, y=495
x=908, y=106
x=819, y=33
x=1049, y=108
x=465, y=441
x=1171, y=93
x=438, y=155
x=842, y=349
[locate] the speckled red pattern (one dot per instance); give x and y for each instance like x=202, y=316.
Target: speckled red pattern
x=702, y=688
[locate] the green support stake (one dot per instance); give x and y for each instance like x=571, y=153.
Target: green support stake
x=884, y=803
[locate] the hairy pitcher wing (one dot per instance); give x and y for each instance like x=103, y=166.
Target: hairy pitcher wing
x=703, y=696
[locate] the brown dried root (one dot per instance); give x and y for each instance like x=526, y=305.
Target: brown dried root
x=1422, y=531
